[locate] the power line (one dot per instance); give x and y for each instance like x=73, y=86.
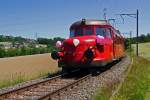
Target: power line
x=104, y=15
x=135, y=15
x=113, y=20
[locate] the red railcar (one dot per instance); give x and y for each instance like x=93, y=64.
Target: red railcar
x=92, y=43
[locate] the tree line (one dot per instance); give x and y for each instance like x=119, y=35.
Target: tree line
x=49, y=41
x=12, y=39
x=141, y=39
x=29, y=50
x=22, y=51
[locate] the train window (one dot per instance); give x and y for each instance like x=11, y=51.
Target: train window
x=72, y=33
x=76, y=32
x=100, y=32
x=88, y=31
x=104, y=32
x=108, y=33
x=79, y=32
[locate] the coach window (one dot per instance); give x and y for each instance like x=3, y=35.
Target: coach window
x=72, y=33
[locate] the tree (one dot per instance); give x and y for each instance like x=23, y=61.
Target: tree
x=2, y=53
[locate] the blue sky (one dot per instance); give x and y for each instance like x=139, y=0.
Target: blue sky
x=52, y=18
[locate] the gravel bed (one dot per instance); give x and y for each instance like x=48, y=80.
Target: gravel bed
x=86, y=90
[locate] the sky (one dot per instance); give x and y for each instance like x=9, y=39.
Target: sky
x=52, y=18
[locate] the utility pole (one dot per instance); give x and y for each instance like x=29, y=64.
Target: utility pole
x=137, y=30
x=104, y=15
x=36, y=34
x=36, y=37
x=136, y=15
x=130, y=41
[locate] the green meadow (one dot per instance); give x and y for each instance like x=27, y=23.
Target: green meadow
x=144, y=50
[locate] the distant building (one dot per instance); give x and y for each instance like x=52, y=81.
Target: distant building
x=17, y=45
x=40, y=45
x=6, y=45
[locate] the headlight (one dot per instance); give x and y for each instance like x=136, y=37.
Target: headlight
x=58, y=44
x=76, y=42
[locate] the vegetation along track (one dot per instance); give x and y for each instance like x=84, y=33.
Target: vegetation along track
x=46, y=88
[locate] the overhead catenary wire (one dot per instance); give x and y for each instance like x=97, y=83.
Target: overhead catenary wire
x=133, y=15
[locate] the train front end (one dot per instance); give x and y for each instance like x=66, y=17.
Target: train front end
x=82, y=49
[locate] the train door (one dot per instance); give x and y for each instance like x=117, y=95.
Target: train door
x=105, y=33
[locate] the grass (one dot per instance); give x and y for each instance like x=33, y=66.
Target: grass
x=135, y=86
x=144, y=49
x=14, y=79
x=137, y=83
x=19, y=78
x=102, y=94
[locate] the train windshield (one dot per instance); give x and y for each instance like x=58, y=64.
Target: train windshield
x=88, y=31
x=76, y=32
x=103, y=32
x=81, y=31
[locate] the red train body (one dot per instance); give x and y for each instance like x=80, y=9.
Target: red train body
x=92, y=43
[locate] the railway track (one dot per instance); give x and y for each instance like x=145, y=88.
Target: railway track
x=80, y=86
x=45, y=89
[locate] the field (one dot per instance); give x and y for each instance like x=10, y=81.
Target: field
x=144, y=50
x=25, y=67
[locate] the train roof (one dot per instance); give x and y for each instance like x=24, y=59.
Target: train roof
x=90, y=22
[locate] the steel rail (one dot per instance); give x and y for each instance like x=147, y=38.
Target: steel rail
x=65, y=88
x=34, y=85
x=24, y=88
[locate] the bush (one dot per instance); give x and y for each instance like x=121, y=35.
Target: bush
x=2, y=53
